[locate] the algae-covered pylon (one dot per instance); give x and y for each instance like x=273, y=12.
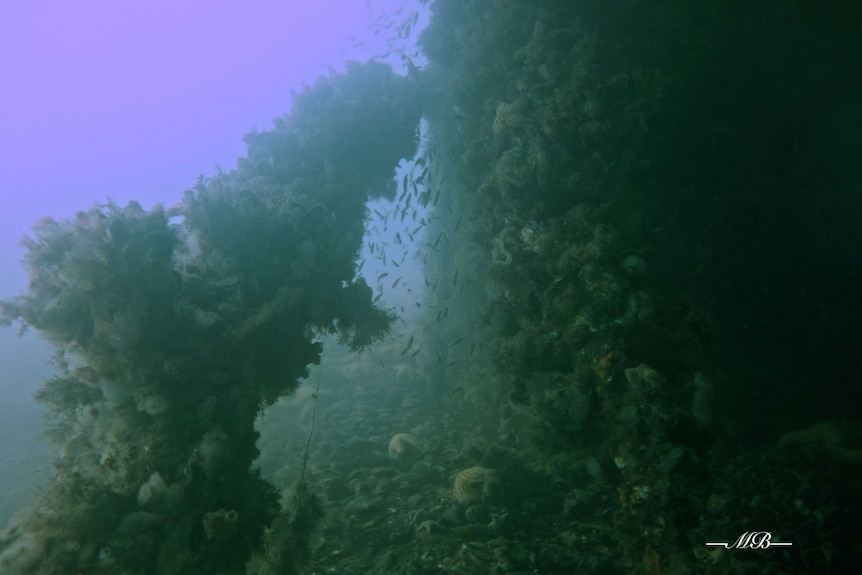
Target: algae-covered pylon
x=174, y=327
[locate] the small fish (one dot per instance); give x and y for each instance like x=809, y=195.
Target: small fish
x=472, y=349
x=409, y=345
x=361, y=265
x=415, y=353
x=396, y=282
x=383, y=275
x=412, y=69
x=456, y=342
x=453, y=362
x=397, y=237
x=437, y=196
x=455, y=279
x=379, y=215
x=404, y=184
x=458, y=223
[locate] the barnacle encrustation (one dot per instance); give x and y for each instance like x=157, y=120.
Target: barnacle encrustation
x=472, y=484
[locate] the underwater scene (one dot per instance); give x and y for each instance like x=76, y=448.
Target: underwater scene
x=572, y=289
